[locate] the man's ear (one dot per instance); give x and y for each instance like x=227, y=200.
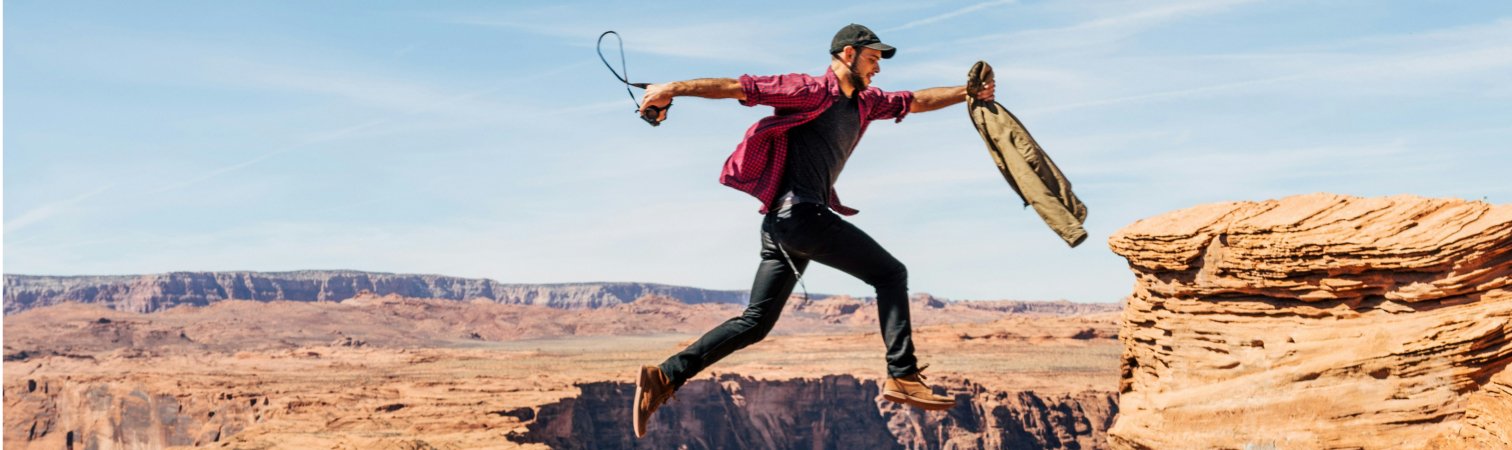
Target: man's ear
x=848, y=55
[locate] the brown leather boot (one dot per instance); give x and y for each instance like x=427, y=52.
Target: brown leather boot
x=911, y=390
x=651, y=391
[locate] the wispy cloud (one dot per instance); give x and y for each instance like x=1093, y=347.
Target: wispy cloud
x=218, y=172
x=1105, y=29
x=44, y=212
x=723, y=41
x=1145, y=18
x=1345, y=71
x=406, y=99
x=951, y=15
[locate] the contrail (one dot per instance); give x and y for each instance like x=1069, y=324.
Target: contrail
x=341, y=132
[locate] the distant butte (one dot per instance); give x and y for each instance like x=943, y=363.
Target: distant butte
x=158, y=292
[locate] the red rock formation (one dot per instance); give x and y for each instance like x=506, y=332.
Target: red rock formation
x=1318, y=321
x=396, y=372
x=88, y=415
x=836, y=411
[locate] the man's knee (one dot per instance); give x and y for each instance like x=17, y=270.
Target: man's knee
x=897, y=276
x=752, y=330
x=760, y=322
x=760, y=332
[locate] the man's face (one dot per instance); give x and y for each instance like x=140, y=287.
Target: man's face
x=865, y=66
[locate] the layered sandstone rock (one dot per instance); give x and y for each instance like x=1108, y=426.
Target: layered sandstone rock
x=1318, y=321
x=835, y=411
x=63, y=414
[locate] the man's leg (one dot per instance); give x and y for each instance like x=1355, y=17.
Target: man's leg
x=837, y=243
x=769, y=293
x=822, y=236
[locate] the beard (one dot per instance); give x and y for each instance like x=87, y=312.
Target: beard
x=855, y=77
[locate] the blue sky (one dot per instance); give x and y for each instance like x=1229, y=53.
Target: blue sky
x=485, y=139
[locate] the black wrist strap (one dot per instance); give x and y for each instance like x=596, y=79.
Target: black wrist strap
x=650, y=114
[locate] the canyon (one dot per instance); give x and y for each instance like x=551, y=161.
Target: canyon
x=398, y=372
x=1312, y=321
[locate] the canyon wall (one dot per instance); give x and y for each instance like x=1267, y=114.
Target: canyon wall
x=1318, y=321
x=731, y=411
x=833, y=412
x=157, y=292
x=61, y=414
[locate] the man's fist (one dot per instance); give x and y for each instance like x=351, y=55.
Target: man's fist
x=657, y=95
x=985, y=92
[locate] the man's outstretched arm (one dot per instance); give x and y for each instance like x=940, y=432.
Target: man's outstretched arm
x=660, y=95
x=940, y=97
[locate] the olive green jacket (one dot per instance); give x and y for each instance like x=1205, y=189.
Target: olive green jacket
x=1024, y=164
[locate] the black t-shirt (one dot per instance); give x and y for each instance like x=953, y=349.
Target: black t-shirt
x=817, y=150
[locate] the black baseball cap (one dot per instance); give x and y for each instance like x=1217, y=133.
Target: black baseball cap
x=857, y=34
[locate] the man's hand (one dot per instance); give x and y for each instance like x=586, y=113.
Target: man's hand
x=658, y=95
x=986, y=92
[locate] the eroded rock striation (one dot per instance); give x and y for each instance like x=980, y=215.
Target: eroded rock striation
x=835, y=411
x=105, y=415
x=1318, y=321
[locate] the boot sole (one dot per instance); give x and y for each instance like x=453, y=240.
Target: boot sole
x=904, y=399
x=635, y=407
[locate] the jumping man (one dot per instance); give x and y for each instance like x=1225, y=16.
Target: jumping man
x=790, y=161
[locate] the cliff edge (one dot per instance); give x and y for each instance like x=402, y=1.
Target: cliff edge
x=1318, y=321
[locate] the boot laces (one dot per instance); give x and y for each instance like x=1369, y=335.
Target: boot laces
x=656, y=401
x=920, y=374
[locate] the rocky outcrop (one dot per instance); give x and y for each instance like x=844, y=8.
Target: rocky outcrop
x=837, y=411
x=1318, y=321
x=152, y=293
x=63, y=414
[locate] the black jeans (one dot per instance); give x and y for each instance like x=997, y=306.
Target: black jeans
x=807, y=232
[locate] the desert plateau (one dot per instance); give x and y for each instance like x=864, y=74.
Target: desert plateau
x=1313, y=321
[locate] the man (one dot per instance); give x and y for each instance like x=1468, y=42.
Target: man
x=790, y=161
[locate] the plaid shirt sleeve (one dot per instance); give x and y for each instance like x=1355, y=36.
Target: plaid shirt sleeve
x=794, y=90
x=888, y=105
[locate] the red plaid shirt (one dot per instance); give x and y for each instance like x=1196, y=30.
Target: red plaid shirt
x=757, y=165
